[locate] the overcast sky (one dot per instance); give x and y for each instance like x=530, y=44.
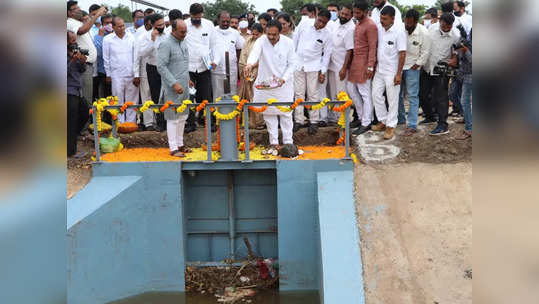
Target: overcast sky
x=261, y=5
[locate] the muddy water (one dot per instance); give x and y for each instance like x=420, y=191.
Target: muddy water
x=262, y=297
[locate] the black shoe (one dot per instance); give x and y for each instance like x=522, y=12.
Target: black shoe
x=427, y=121
x=150, y=128
x=355, y=124
x=313, y=129
x=361, y=130
x=439, y=130
x=190, y=128
x=322, y=124
x=455, y=113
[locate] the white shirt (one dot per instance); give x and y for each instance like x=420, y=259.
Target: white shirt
x=229, y=40
x=313, y=48
x=441, y=48
x=342, y=37
x=436, y=27
x=277, y=60
x=201, y=41
x=417, y=47
x=84, y=41
x=119, y=55
x=375, y=15
x=390, y=43
x=148, y=48
x=140, y=59
x=140, y=32
x=466, y=21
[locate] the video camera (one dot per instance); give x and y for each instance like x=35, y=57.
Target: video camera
x=442, y=68
x=74, y=48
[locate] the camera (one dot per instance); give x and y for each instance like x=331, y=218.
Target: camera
x=463, y=42
x=443, y=69
x=74, y=48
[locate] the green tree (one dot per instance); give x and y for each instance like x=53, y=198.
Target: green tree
x=234, y=7
x=122, y=11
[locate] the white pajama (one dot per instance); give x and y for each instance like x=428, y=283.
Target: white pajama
x=306, y=82
x=144, y=87
x=385, y=83
x=124, y=88
x=272, y=123
x=335, y=86
x=323, y=93
x=360, y=93
x=175, y=132
x=218, y=84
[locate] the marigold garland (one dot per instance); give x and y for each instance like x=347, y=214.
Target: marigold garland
x=202, y=105
x=125, y=105
x=184, y=105
x=320, y=105
x=228, y=116
x=146, y=106
x=258, y=109
x=166, y=106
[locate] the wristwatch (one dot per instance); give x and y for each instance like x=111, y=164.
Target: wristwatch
x=370, y=69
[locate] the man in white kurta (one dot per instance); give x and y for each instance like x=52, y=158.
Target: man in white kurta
x=275, y=56
x=313, y=46
x=119, y=61
x=229, y=41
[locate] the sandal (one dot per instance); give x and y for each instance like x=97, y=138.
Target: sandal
x=184, y=149
x=177, y=153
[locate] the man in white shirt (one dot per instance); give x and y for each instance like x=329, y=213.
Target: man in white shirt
x=379, y=5
x=146, y=54
x=342, y=37
x=447, y=7
x=313, y=46
x=431, y=17
x=231, y=42
x=275, y=56
x=433, y=79
x=138, y=22
x=462, y=16
x=173, y=14
x=84, y=41
x=417, y=53
x=119, y=61
x=201, y=43
x=391, y=56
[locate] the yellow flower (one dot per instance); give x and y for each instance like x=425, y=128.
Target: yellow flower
x=236, y=98
x=271, y=100
x=218, y=99
x=342, y=120
x=182, y=108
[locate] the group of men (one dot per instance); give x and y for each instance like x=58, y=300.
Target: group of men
x=377, y=60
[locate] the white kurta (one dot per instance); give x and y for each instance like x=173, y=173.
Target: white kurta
x=277, y=60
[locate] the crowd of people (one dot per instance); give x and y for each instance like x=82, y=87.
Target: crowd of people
x=374, y=55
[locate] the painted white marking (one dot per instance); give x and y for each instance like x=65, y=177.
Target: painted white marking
x=373, y=147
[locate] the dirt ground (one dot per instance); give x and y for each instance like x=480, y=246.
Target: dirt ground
x=415, y=225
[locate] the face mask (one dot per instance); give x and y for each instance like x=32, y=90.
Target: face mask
x=139, y=22
x=304, y=17
x=108, y=28
x=98, y=20
x=196, y=21
x=343, y=20
x=160, y=29
x=458, y=14
x=427, y=22
x=333, y=15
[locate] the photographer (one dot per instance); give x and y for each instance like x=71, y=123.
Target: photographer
x=435, y=78
x=465, y=73
x=77, y=108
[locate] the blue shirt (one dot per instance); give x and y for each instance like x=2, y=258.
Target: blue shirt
x=98, y=42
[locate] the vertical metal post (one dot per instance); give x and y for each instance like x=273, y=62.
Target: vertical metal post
x=208, y=131
x=347, y=132
x=114, y=131
x=232, y=230
x=96, y=134
x=246, y=128
x=228, y=134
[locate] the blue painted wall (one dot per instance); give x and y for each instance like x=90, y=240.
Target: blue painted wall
x=298, y=220
x=125, y=234
x=340, y=260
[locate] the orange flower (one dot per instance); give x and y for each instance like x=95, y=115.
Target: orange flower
x=296, y=103
x=258, y=109
x=343, y=107
x=125, y=105
x=166, y=106
x=201, y=106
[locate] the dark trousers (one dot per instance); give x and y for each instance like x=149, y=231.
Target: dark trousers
x=77, y=115
x=202, y=83
x=101, y=88
x=154, y=80
x=439, y=86
x=455, y=92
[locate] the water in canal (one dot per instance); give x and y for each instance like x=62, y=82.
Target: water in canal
x=262, y=297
